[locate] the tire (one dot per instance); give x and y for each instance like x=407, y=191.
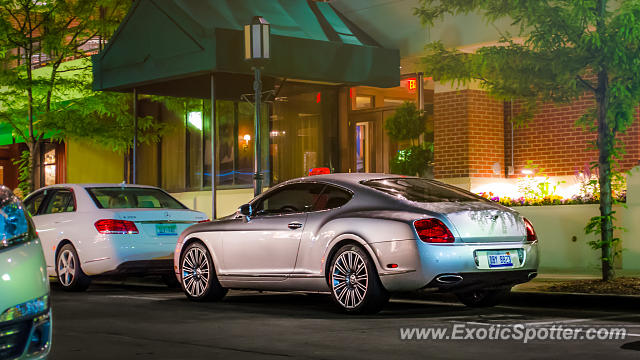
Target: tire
x=68, y=270
x=198, y=275
x=483, y=297
x=354, y=281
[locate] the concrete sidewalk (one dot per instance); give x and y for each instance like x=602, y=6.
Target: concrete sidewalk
x=542, y=281
x=536, y=293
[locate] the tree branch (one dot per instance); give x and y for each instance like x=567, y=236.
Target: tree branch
x=74, y=69
x=586, y=83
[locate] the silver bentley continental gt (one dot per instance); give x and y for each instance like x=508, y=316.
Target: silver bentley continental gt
x=361, y=237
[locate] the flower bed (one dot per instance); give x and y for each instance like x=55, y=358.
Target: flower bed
x=550, y=200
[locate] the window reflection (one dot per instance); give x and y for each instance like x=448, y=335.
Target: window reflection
x=50, y=167
x=236, y=140
x=298, y=132
x=303, y=130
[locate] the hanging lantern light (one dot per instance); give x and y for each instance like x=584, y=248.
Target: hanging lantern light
x=257, y=40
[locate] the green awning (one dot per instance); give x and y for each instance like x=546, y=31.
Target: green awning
x=6, y=135
x=169, y=40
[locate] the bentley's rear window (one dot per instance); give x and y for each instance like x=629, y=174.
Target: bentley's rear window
x=133, y=198
x=422, y=190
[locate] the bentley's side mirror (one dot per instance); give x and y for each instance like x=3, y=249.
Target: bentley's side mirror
x=246, y=210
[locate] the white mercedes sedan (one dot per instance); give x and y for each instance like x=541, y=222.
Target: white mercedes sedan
x=108, y=229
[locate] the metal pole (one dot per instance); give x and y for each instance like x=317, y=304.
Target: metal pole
x=213, y=149
x=134, y=171
x=257, y=86
x=420, y=84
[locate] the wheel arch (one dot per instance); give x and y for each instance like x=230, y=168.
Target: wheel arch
x=61, y=244
x=197, y=239
x=341, y=241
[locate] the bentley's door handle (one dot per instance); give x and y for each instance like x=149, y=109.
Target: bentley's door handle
x=295, y=225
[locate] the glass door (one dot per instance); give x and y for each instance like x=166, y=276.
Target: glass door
x=363, y=151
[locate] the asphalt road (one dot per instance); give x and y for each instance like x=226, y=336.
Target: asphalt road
x=119, y=321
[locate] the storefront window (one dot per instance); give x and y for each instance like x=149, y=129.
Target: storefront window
x=363, y=102
x=173, y=149
x=303, y=130
x=194, y=144
x=388, y=102
x=236, y=141
x=300, y=134
x=227, y=142
x=50, y=167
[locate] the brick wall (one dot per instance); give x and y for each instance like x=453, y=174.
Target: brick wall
x=468, y=134
x=486, y=134
x=553, y=141
x=472, y=132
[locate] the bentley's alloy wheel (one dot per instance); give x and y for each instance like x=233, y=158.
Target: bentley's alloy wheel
x=195, y=272
x=355, y=285
x=199, y=279
x=70, y=274
x=349, y=279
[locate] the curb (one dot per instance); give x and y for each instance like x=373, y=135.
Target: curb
x=559, y=300
x=572, y=300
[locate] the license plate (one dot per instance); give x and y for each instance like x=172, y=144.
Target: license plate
x=166, y=229
x=501, y=260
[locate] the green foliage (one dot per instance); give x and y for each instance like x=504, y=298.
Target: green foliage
x=568, y=48
x=537, y=185
x=24, y=174
x=103, y=118
x=412, y=161
x=408, y=123
x=594, y=226
x=57, y=30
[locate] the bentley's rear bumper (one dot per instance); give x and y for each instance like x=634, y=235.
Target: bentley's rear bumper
x=480, y=280
x=408, y=265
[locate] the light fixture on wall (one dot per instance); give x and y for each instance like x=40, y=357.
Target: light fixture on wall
x=527, y=172
x=247, y=139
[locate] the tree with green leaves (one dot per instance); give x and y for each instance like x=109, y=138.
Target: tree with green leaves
x=561, y=51
x=408, y=123
x=102, y=118
x=36, y=33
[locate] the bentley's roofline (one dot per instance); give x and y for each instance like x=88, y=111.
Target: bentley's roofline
x=353, y=178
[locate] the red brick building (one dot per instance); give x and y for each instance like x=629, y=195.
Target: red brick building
x=476, y=145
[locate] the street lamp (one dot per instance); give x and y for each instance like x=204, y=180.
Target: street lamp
x=257, y=51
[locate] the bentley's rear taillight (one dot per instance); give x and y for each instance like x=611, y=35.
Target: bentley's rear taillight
x=111, y=226
x=433, y=231
x=531, y=233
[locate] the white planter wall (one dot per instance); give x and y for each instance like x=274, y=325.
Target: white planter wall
x=563, y=244
x=557, y=225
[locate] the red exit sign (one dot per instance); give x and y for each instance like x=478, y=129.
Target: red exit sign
x=412, y=84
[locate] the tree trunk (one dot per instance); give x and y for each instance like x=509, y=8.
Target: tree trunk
x=32, y=142
x=605, y=145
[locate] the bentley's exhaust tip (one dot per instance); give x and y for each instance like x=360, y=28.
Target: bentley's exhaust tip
x=449, y=279
x=532, y=275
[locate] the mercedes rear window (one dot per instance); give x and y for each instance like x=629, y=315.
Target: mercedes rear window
x=133, y=198
x=422, y=190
